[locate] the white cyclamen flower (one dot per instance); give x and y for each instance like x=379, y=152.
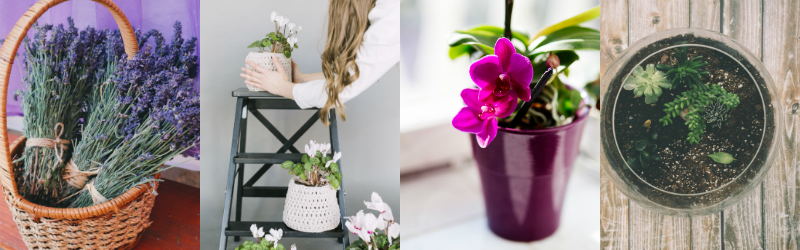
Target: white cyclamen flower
x=274, y=236
x=290, y=27
x=257, y=232
x=294, y=247
x=393, y=232
x=299, y=28
x=311, y=149
x=292, y=41
x=324, y=148
x=356, y=225
x=273, y=16
x=282, y=21
x=336, y=157
x=377, y=204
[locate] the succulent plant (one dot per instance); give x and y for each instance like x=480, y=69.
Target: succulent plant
x=644, y=150
x=647, y=82
x=716, y=113
x=684, y=71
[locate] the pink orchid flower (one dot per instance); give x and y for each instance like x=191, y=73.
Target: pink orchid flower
x=480, y=117
x=506, y=73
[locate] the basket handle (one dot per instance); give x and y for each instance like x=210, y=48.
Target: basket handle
x=8, y=53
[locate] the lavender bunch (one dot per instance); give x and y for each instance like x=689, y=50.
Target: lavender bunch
x=61, y=65
x=153, y=116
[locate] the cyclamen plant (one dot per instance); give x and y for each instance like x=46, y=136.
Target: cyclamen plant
x=281, y=41
x=264, y=241
x=375, y=233
x=316, y=168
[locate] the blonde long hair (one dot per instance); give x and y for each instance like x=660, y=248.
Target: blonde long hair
x=347, y=22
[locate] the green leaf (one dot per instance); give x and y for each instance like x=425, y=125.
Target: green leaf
x=334, y=167
x=722, y=157
x=569, y=44
x=287, y=165
x=381, y=240
x=279, y=247
x=305, y=158
x=459, y=50
x=266, y=42
x=298, y=169
x=483, y=37
x=308, y=166
x=255, y=44
x=464, y=39
x=576, y=100
x=272, y=36
x=302, y=176
x=575, y=20
x=499, y=32
x=572, y=32
x=335, y=183
x=287, y=53
x=295, y=46
x=641, y=144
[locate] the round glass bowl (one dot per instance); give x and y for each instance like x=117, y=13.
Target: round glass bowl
x=679, y=106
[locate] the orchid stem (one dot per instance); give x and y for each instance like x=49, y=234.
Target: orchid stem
x=507, y=31
x=534, y=93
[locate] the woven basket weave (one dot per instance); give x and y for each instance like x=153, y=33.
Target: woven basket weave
x=265, y=60
x=311, y=209
x=116, y=224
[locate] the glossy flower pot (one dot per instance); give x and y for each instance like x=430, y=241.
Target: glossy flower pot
x=524, y=176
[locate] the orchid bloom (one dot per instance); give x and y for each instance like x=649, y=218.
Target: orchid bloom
x=257, y=232
x=480, y=118
x=377, y=204
x=393, y=231
x=311, y=149
x=273, y=15
x=506, y=73
x=336, y=157
x=274, y=236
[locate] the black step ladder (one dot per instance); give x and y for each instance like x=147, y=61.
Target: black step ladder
x=251, y=102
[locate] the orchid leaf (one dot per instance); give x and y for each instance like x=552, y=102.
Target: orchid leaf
x=575, y=20
x=722, y=157
x=572, y=32
x=459, y=50
x=569, y=44
x=499, y=32
x=459, y=39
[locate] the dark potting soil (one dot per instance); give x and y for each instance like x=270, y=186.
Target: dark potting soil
x=685, y=168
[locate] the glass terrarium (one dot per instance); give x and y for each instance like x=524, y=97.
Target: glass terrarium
x=690, y=122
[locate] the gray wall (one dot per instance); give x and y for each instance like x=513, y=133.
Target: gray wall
x=369, y=139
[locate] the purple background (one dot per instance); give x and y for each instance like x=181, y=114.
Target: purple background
x=142, y=14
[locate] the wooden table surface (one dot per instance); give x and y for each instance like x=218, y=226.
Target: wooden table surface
x=769, y=217
x=175, y=216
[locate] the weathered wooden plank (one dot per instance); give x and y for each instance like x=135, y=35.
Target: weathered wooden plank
x=613, y=215
x=648, y=17
x=613, y=204
x=780, y=195
x=707, y=232
x=613, y=33
x=705, y=14
x=743, y=227
x=650, y=230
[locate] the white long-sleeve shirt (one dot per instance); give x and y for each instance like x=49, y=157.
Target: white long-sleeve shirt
x=379, y=52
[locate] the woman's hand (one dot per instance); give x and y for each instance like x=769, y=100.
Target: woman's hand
x=275, y=82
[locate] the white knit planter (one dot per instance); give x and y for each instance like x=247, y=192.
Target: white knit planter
x=265, y=60
x=311, y=209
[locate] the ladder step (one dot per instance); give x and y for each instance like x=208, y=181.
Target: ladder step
x=265, y=158
x=268, y=192
x=242, y=228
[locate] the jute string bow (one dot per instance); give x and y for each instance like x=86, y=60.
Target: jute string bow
x=57, y=143
x=75, y=177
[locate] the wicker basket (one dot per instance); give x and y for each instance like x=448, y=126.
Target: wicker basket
x=116, y=224
x=265, y=60
x=311, y=209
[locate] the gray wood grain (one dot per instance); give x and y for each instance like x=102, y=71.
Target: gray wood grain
x=743, y=227
x=707, y=232
x=780, y=193
x=705, y=14
x=613, y=204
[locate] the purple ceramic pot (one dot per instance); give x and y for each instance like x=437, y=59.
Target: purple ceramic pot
x=524, y=175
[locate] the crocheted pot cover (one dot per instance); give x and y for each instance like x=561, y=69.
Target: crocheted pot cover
x=311, y=209
x=265, y=60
